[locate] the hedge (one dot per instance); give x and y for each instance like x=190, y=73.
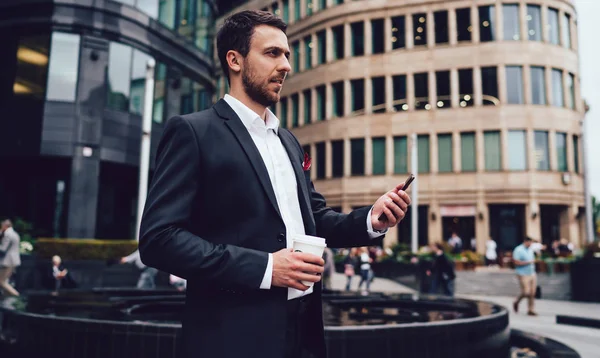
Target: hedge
x=84, y=249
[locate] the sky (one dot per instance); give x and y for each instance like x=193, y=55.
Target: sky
x=588, y=14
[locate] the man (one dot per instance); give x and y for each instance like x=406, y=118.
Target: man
x=147, y=274
x=455, y=242
x=230, y=191
x=524, y=258
x=442, y=271
x=329, y=268
x=10, y=257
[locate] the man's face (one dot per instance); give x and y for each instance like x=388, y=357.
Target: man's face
x=266, y=65
x=527, y=243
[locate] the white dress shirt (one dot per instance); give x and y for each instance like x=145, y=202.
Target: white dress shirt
x=281, y=173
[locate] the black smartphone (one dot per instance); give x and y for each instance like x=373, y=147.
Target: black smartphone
x=407, y=182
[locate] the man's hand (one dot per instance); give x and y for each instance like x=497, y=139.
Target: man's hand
x=393, y=205
x=289, y=268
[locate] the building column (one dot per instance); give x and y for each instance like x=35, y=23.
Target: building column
x=328, y=101
x=544, y=19
x=314, y=53
x=391, y=237
x=527, y=84
x=301, y=109
x=83, y=192
x=313, y=153
x=548, y=75
x=387, y=34
x=313, y=104
x=456, y=153
x=389, y=94
x=347, y=41
x=475, y=24
x=552, y=150
x=432, y=83
x=368, y=95
x=569, y=225
x=482, y=224
x=329, y=47
x=389, y=154
x=570, y=159
x=369, y=155
x=328, y=160
x=410, y=90
x=347, y=98
x=452, y=28
x=503, y=149
x=533, y=225
x=477, y=87
x=531, y=161
x=434, y=226
x=499, y=22
x=347, y=159
x=430, y=29
x=524, y=33
x=433, y=153
x=502, y=91
x=410, y=36
x=292, y=12
x=479, y=148
x=368, y=36
x=454, y=89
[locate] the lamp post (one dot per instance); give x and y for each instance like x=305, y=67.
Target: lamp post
x=414, y=214
x=589, y=227
x=145, y=143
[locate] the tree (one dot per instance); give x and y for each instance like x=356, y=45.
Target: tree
x=596, y=215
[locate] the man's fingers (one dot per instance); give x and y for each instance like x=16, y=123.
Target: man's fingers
x=404, y=196
x=398, y=200
x=309, y=258
x=390, y=216
x=302, y=276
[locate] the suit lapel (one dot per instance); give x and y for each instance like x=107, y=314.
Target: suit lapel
x=303, y=192
x=241, y=133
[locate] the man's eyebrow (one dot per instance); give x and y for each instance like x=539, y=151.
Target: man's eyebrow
x=278, y=49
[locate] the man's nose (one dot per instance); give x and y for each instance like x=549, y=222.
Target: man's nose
x=284, y=65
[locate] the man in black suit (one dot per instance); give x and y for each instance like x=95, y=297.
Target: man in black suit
x=229, y=191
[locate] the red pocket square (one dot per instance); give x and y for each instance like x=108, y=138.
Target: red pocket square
x=307, y=162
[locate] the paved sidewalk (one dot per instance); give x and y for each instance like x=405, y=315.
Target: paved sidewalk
x=586, y=341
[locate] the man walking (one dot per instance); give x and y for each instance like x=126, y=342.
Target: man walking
x=230, y=191
x=10, y=257
x=524, y=258
x=147, y=274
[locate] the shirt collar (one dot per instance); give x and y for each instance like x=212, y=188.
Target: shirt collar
x=250, y=118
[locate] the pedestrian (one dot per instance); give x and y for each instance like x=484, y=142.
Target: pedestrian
x=491, y=256
x=230, y=191
x=524, y=260
x=10, y=256
x=442, y=271
x=350, y=263
x=147, y=276
x=328, y=269
x=365, y=270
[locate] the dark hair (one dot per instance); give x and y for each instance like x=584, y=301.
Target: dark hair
x=439, y=246
x=527, y=238
x=237, y=31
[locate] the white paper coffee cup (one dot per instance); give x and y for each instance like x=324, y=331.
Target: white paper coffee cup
x=311, y=245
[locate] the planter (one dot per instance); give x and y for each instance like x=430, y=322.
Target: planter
x=584, y=280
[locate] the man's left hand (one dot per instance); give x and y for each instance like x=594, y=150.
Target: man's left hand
x=393, y=205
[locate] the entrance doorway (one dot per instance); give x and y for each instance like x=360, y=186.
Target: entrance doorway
x=550, y=222
x=463, y=226
x=506, y=225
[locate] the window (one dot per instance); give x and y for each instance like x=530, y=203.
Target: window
x=63, y=67
x=309, y=7
x=576, y=153
x=166, y=13
x=557, y=88
x=399, y=84
x=566, y=31
x=571, y=89
x=420, y=29
x=440, y=19
x=358, y=95
x=138, y=82
x=296, y=56
x=444, y=153
x=464, y=28
x=307, y=96
x=308, y=45
x=160, y=88
x=377, y=37
x=204, y=27
x=337, y=91
x=534, y=22
x=283, y=115
x=538, y=85
x=400, y=155
x=149, y=7
x=378, y=146
x=297, y=8
x=512, y=28
x=423, y=153
x=378, y=86
x=322, y=41
x=32, y=66
x=553, y=29
x=561, y=152
x=275, y=8
x=517, y=150
x=338, y=42
x=467, y=152
x=119, y=73
x=541, y=150
x=358, y=38
x=487, y=21
x=337, y=158
x=357, y=147
x=489, y=86
x=422, y=91
x=295, y=110
x=492, y=150
x=465, y=87
x=186, y=104
x=442, y=79
x=322, y=4
x=285, y=15
x=320, y=149
x=398, y=32
x=514, y=84
x=321, y=103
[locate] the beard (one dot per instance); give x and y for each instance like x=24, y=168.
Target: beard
x=256, y=91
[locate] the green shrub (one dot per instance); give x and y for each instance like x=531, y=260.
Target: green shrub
x=84, y=249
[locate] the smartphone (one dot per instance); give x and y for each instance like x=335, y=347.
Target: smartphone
x=407, y=182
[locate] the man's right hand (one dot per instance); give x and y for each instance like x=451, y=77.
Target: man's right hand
x=289, y=268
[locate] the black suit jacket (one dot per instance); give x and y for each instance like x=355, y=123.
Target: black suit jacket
x=211, y=217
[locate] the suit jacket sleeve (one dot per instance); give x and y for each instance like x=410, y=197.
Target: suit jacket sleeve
x=165, y=240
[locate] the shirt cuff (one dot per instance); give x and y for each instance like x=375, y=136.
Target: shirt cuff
x=266, y=281
x=372, y=233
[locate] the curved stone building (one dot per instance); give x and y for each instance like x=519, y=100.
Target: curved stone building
x=71, y=104
x=489, y=87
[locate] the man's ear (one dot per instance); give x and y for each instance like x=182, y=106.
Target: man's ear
x=234, y=60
